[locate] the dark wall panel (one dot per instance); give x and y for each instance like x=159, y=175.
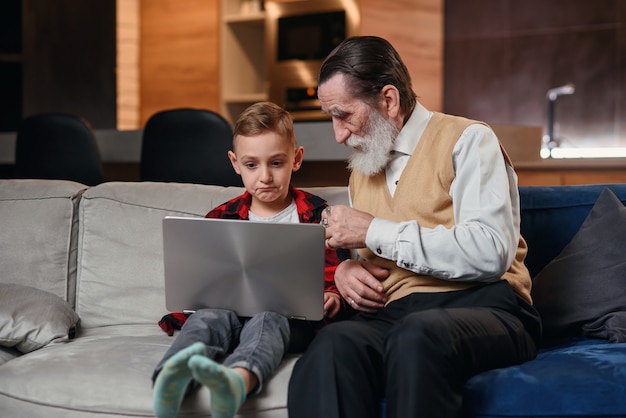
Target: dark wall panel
x=10, y=64
x=10, y=95
x=69, y=58
x=502, y=56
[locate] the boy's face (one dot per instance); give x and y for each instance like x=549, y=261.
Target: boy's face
x=265, y=163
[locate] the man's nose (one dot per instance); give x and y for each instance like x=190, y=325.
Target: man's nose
x=341, y=131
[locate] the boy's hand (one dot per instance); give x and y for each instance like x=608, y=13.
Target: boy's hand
x=332, y=303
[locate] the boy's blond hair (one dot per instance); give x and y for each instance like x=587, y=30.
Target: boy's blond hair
x=265, y=116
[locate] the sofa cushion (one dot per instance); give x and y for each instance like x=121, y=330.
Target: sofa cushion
x=31, y=318
x=611, y=326
x=579, y=378
x=121, y=245
x=8, y=354
x=582, y=291
x=38, y=237
x=105, y=372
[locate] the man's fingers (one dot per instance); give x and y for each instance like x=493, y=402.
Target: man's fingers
x=367, y=296
x=375, y=276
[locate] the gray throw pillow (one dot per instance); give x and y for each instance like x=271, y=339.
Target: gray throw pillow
x=582, y=291
x=611, y=326
x=31, y=318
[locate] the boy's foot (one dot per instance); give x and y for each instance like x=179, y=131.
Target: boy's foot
x=172, y=381
x=228, y=391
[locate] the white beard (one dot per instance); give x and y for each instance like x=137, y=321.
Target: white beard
x=372, y=150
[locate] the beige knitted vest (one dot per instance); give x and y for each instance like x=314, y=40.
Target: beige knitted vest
x=423, y=194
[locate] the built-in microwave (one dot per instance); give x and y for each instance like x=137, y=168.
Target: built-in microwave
x=311, y=36
x=300, y=34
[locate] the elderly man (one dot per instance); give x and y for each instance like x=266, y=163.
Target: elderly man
x=440, y=288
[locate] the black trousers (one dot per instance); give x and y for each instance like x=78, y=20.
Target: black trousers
x=417, y=353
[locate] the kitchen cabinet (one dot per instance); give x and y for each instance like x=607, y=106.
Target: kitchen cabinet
x=243, y=70
x=554, y=172
x=414, y=28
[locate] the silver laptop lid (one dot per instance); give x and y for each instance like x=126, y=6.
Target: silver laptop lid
x=244, y=266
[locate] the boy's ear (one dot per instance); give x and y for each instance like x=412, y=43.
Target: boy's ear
x=233, y=160
x=297, y=159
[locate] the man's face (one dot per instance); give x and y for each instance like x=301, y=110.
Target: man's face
x=358, y=125
x=372, y=150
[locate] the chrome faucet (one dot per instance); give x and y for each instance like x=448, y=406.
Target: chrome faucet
x=552, y=95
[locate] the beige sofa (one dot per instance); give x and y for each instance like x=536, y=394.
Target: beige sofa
x=70, y=252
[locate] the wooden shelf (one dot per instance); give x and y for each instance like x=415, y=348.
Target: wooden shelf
x=243, y=69
x=252, y=18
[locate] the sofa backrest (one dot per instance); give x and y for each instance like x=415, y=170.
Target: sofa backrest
x=38, y=226
x=117, y=237
x=551, y=216
x=120, y=248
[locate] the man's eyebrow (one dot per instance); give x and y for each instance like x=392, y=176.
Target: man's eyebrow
x=337, y=113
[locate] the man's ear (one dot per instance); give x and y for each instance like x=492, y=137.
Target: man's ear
x=390, y=97
x=233, y=160
x=297, y=159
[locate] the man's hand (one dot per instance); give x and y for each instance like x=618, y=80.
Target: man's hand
x=359, y=283
x=345, y=227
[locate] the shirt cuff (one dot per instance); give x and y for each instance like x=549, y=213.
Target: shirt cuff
x=381, y=238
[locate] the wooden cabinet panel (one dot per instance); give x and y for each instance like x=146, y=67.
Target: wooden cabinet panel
x=415, y=28
x=179, y=55
x=594, y=177
x=539, y=178
x=128, y=38
x=574, y=176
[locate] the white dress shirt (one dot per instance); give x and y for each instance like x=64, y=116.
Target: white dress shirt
x=482, y=244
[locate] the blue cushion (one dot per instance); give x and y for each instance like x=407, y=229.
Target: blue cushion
x=580, y=378
x=551, y=216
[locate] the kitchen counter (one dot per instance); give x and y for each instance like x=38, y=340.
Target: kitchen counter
x=125, y=146
x=121, y=152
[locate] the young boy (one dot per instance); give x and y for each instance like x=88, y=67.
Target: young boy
x=265, y=153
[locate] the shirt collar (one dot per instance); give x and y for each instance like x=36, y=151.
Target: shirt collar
x=411, y=132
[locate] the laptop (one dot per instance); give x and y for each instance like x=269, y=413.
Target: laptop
x=244, y=266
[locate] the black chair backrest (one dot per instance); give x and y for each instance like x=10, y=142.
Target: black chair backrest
x=188, y=146
x=58, y=146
